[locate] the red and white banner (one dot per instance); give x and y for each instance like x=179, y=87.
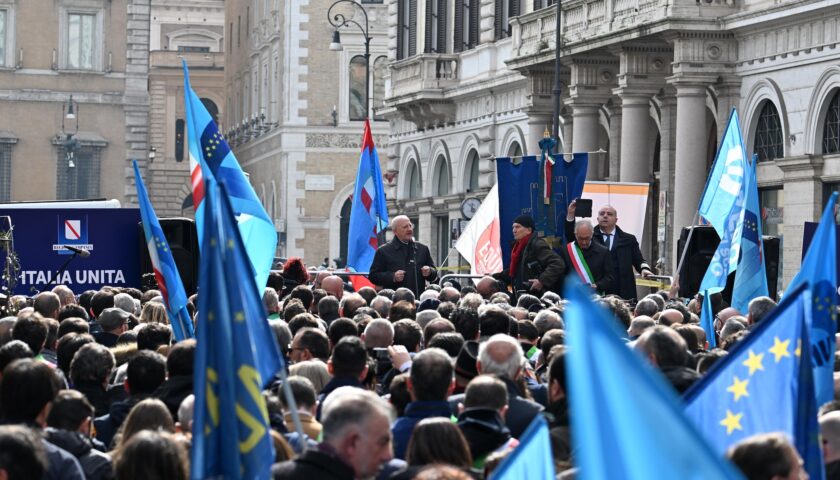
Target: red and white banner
x=479, y=242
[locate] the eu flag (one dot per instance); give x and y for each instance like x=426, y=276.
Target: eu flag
x=819, y=273
x=722, y=205
x=764, y=385
x=163, y=265
x=751, y=277
x=532, y=458
x=210, y=157
x=626, y=421
x=368, y=213
x=236, y=355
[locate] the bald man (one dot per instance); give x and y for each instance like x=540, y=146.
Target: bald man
x=623, y=247
x=830, y=432
x=402, y=262
x=334, y=285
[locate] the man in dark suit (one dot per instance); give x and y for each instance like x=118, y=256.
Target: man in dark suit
x=623, y=247
x=402, y=262
x=597, y=259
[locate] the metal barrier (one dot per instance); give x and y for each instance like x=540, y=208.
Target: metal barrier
x=457, y=275
x=348, y=274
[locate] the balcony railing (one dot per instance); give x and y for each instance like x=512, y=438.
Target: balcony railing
x=427, y=72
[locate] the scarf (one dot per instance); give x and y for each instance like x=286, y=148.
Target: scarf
x=516, y=254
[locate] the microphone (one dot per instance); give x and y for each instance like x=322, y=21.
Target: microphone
x=80, y=251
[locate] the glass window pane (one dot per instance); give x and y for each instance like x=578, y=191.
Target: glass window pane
x=831, y=129
x=472, y=186
x=2, y=37
x=769, y=142
x=380, y=67
x=414, y=187
x=357, y=88
x=772, y=210
x=442, y=177
x=80, y=38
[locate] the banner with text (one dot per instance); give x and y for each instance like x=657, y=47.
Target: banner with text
x=40, y=235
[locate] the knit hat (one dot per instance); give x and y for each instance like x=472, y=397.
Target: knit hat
x=526, y=221
x=465, y=364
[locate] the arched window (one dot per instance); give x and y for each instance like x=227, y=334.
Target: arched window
x=212, y=109
x=769, y=142
x=442, y=175
x=515, y=150
x=380, y=66
x=415, y=188
x=344, y=229
x=831, y=130
x=357, y=100
x=471, y=185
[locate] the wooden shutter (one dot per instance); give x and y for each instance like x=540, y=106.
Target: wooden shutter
x=497, y=19
x=458, y=28
x=400, y=26
x=428, y=45
x=412, y=28
x=475, y=15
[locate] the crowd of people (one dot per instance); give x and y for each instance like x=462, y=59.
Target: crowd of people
x=416, y=380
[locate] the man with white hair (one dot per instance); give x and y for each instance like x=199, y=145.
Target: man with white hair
x=590, y=260
x=403, y=262
x=356, y=440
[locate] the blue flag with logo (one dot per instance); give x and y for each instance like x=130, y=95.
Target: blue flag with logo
x=236, y=355
x=211, y=157
x=521, y=192
x=764, y=385
x=532, y=458
x=751, y=276
x=722, y=205
x=627, y=422
x=163, y=265
x=819, y=274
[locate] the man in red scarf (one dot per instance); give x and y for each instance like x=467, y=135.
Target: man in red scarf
x=534, y=267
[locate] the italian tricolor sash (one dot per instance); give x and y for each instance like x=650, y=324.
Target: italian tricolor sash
x=582, y=269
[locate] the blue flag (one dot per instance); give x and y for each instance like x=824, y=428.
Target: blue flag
x=211, y=157
x=521, y=192
x=751, y=276
x=236, y=355
x=532, y=459
x=722, y=205
x=627, y=422
x=707, y=319
x=369, y=213
x=163, y=265
x=764, y=385
x=819, y=273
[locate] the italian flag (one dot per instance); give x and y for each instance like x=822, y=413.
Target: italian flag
x=582, y=269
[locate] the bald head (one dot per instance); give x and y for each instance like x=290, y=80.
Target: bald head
x=487, y=286
x=319, y=278
x=402, y=228
x=333, y=285
x=830, y=431
x=500, y=355
x=378, y=334
x=670, y=316
x=607, y=218
x=639, y=324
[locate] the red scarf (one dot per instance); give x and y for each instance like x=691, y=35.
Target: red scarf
x=516, y=254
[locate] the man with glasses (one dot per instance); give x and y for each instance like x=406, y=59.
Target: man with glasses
x=403, y=262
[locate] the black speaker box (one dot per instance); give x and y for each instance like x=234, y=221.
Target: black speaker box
x=181, y=235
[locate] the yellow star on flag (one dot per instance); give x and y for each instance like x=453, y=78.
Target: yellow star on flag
x=754, y=362
x=732, y=422
x=239, y=317
x=798, y=351
x=739, y=388
x=780, y=349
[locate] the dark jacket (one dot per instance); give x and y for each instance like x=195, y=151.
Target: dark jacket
x=96, y=395
x=538, y=261
x=484, y=430
x=107, y=339
x=173, y=391
x=396, y=255
x=521, y=411
x=63, y=465
x=626, y=255
x=332, y=385
x=95, y=464
x=107, y=425
x=313, y=464
x=403, y=427
x=600, y=265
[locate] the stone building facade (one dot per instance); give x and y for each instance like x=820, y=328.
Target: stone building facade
x=95, y=52
x=293, y=113
x=651, y=82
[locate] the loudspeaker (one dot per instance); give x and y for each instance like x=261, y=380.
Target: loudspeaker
x=704, y=242
x=181, y=235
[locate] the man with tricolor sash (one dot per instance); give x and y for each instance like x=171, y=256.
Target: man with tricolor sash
x=591, y=261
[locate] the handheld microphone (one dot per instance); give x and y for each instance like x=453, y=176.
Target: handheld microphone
x=80, y=251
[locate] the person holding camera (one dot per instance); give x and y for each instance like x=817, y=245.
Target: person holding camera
x=534, y=267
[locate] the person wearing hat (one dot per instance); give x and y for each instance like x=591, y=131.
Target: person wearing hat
x=534, y=267
x=114, y=322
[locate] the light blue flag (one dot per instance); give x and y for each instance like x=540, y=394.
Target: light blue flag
x=819, y=273
x=751, y=276
x=163, y=265
x=532, y=458
x=211, y=157
x=764, y=385
x=627, y=422
x=722, y=205
x=236, y=355
x=707, y=319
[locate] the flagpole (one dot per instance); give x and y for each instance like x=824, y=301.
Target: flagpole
x=290, y=402
x=685, y=247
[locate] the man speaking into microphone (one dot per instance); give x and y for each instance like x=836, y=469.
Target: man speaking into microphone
x=402, y=262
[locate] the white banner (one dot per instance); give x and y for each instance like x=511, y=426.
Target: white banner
x=628, y=199
x=479, y=242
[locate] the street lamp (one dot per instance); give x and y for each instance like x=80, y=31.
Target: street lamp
x=340, y=20
x=70, y=111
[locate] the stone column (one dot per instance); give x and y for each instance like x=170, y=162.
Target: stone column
x=690, y=168
x=585, y=134
x=635, y=137
x=536, y=128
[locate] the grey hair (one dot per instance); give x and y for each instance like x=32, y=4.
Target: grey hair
x=429, y=294
x=547, y=320
x=185, y=412
x=397, y=219
x=382, y=305
x=507, y=368
x=124, y=302
x=270, y=299
x=472, y=300
x=348, y=407
x=583, y=223
x=423, y=318
x=759, y=308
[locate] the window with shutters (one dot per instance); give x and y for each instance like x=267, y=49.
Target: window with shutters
x=466, y=24
x=769, y=141
x=6, y=169
x=505, y=10
x=406, y=28
x=435, y=26
x=831, y=128
x=538, y=4
x=78, y=172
